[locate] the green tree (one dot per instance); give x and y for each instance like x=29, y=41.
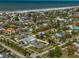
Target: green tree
x=55, y=52
x=58, y=52
x=7, y=25
x=16, y=18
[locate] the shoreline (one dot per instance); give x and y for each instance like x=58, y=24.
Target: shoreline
x=41, y=10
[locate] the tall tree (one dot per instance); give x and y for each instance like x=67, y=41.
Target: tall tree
x=55, y=52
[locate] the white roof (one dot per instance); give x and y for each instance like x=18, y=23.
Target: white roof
x=71, y=26
x=77, y=45
x=1, y=55
x=69, y=31
x=28, y=39
x=45, y=24
x=61, y=19
x=41, y=33
x=30, y=29
x=58, y=34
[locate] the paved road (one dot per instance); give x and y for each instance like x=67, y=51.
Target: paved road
x=12, y=50
x=40, y=54
x=76, y=53
x=32, y=50
x=27, y=46
x=42, y=41
x=7, y=38
x=46, y=51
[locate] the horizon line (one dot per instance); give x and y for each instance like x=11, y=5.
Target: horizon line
x=37, y=10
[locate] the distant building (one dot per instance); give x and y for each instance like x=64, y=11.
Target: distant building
x=60, y=19
x=70, y=26
x=76, y=27
x=30, y=29
x=39, y=45
x=45, y=24
x=41, y=33
x=9, y=30
x=59, y=35
x=76, y=14
x=76, y=44
x=1, y=25
x=76, y=23
x=3, y=18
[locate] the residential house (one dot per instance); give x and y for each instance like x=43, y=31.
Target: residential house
x=28, y=40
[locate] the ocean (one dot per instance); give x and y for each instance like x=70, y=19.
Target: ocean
x=29, y=5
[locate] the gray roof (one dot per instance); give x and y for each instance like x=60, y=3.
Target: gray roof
x=28, y=39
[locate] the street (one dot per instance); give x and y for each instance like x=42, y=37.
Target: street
x=12, y=50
